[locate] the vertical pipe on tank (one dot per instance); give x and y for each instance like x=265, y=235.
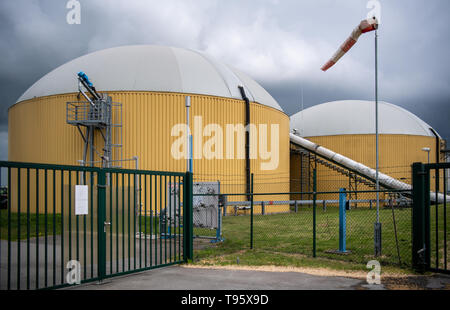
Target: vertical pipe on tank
x=189, y=142
x=91, y=132
x=247, y=139
x=438, y=147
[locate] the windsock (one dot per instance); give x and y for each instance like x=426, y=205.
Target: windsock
x=366, y=25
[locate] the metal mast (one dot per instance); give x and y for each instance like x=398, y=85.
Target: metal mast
x=377, y=236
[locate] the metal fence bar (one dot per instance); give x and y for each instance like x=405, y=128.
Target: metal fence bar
x=145, y=223
x=46, y=227
x=54, y=226
x=179, y=217
x=314, y=213
x=117, y=223
x=24, y=165
x=101, y=225
x=77, y=223
x=188, y=253
x=424, y=170
x=160, y=213
x=9, y=229
x=134, y=221
x=70, y=214
x=298, y=202
x=28, y=228
x=150, y=200
x=309, y=193
x=37, y=228
x=128, y=219
x=84, y=239
x=1, y=247
x=123, y=222
x=91, y=175
x=420, y=218
x=436, y=177
x=110, y=175
x=170, y=216
x=251, y=211
x=62, y=225
x=445, y=219
x=140, y=225
x=155, y=226
x=165, y=220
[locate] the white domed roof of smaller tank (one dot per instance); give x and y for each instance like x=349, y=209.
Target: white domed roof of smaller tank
x=151, y=68
x=349, y=117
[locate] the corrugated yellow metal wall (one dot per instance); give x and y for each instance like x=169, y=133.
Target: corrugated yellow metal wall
x=272, y=181
x=38, y=132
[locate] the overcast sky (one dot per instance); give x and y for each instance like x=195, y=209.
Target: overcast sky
x=280, y=43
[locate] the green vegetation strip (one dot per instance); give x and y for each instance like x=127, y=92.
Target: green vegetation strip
x=262, y=258
x=152, y=222
x=290, y=234
x=14, y=225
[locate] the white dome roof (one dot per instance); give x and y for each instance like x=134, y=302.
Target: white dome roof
x=357, y=117
x=151, y=68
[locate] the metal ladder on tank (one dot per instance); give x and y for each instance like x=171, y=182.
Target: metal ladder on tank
x=97, y=113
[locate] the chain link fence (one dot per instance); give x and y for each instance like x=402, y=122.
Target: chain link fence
x=291, y=222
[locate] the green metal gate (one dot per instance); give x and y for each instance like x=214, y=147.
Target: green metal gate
x=430, y=248
x=65, y=225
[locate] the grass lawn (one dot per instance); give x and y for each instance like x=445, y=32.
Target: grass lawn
x=54, y=221
x=26, y=229
x=287, y=239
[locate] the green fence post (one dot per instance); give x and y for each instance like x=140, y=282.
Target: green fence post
x=420, y=217
x=101, y=219
x=342, y=221
x=314, y=210
x=251, y=211
x=188, y=252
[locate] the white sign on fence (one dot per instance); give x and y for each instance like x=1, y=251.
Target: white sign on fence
x=81, y=199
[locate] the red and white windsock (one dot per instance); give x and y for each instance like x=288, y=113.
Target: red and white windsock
x=366, y=25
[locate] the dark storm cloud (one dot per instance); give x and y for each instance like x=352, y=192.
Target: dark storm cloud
x=282, y=44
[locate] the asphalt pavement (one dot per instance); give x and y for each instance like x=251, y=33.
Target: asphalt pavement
x=180, y=278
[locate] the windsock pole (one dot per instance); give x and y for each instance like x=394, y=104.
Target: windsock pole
x=376, y=126
x=366, y=25
x=377, y=226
